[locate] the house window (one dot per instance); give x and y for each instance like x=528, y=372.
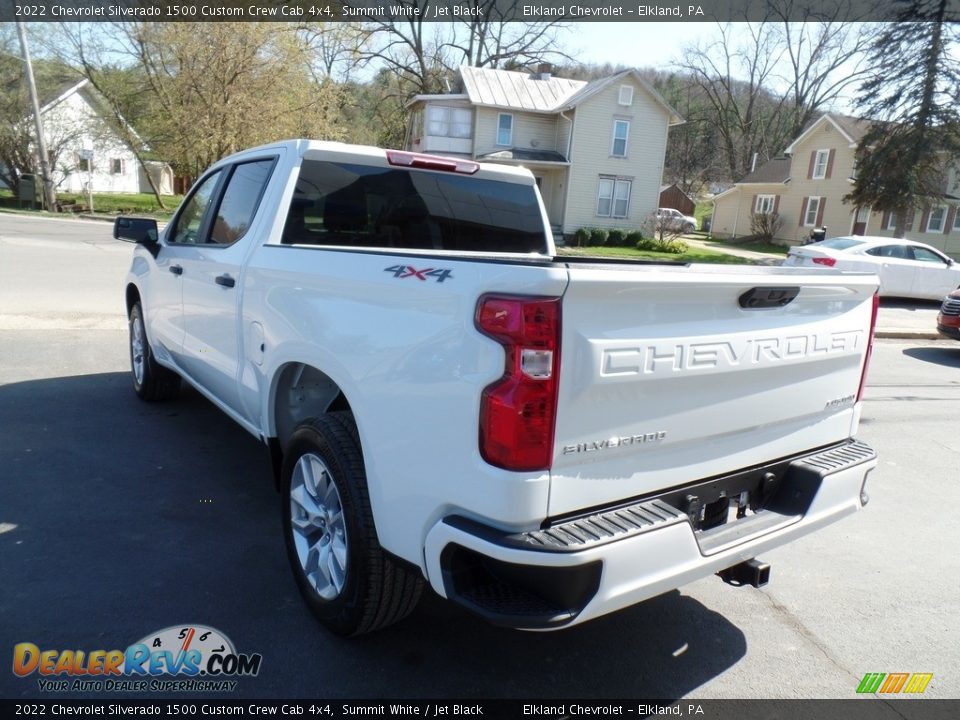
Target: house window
x=117, y=166
x=937, y=219
x=813, y=207
x=764, y=205
x=449, y=122
x=956, y=220
x=621, y=130
x=83, y=164
x=626, y=95
x=820, y=164
x=891, y=221
x=613, y=197
x=504, y=129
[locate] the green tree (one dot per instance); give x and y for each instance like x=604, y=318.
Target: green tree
x=904, y=160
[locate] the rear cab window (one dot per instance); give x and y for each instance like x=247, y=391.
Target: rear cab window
x=344, y=204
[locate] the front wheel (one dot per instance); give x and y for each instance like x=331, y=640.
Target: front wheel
x=151, y=381
x=349, y=582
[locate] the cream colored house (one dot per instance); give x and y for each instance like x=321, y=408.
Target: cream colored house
x=806, y=189
x=596, y=148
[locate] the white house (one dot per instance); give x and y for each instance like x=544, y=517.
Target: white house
x=596, y=148
x=86, y=154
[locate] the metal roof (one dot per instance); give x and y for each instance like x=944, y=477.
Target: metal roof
x=522, y=154
x=518, y=90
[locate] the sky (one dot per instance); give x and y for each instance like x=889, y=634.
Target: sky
x=636, y=44
x=648, y=44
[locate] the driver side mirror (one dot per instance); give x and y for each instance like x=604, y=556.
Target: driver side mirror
x=142, y=231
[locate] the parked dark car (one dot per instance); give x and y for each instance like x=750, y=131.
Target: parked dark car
x=948, y=320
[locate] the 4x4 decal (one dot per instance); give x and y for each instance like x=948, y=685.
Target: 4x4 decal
x=408, y=271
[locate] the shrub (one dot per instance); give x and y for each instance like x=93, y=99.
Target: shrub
x=765, y=226
x=598, y=237
x=633, y=237
x=616, y=238
x=582, y=236
x=672, y=246
x=667, y=245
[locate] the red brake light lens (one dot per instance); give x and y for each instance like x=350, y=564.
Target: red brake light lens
x=518, y=411
x=869, y=354
x=828, y=261
x=431, y=162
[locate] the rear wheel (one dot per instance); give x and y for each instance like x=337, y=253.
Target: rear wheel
x=349, y=582
x=151, y=381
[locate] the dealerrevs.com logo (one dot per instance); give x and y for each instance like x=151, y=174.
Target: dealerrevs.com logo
x=180, y=658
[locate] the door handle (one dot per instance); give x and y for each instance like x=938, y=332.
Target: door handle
x=225, y=280
x=176, y=269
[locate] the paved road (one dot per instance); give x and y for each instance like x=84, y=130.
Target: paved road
x=58, y=274
x=118, y=518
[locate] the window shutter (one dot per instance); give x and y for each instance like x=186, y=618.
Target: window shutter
x=885, y=223
x=820, y=207
x=803, y=211
x=951, y=216
x=813, y=160
x=830, y=162
x=776, y=203
x=924, y=219
x=753, y=204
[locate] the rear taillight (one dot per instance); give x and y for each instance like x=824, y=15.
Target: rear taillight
x=866, y=360
x=518, y=412
x=828, y=261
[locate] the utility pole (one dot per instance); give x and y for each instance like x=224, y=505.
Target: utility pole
x=48, y=198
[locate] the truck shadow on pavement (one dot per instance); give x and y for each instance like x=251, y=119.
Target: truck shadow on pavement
x=947, y=354
x=129, y=517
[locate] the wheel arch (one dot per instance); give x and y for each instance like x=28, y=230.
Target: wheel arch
x=132, y=296
x=300, y=391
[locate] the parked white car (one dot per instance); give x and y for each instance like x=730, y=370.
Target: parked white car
x=906, y=268
x=674, y=220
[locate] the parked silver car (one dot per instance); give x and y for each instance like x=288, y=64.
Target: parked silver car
x=674, y=220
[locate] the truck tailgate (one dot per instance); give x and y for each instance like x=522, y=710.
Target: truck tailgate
x=674, y=374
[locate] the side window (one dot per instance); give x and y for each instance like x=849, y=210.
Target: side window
x=187, y=230
x=891, y=251
x=240, y=201
x=927, y=256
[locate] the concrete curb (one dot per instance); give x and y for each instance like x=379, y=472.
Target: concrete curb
x=909, y=335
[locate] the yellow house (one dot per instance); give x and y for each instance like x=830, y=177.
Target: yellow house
x=806, y=189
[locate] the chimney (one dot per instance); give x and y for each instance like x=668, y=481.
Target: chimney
x=543, y=71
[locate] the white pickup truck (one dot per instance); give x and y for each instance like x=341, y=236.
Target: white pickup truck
x=542, y=439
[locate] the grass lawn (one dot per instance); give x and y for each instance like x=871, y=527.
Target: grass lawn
x=117, y=203
x=755, y=246
x=702, y=210
x=110, y=203
x=693, y=255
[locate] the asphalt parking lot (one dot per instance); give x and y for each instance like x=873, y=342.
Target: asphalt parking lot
x=120, y=518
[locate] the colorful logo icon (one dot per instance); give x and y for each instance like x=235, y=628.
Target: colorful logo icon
x=893, y=683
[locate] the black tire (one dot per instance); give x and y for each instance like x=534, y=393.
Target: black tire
x=151, y=381
x=365, y=589
x=688, y=228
